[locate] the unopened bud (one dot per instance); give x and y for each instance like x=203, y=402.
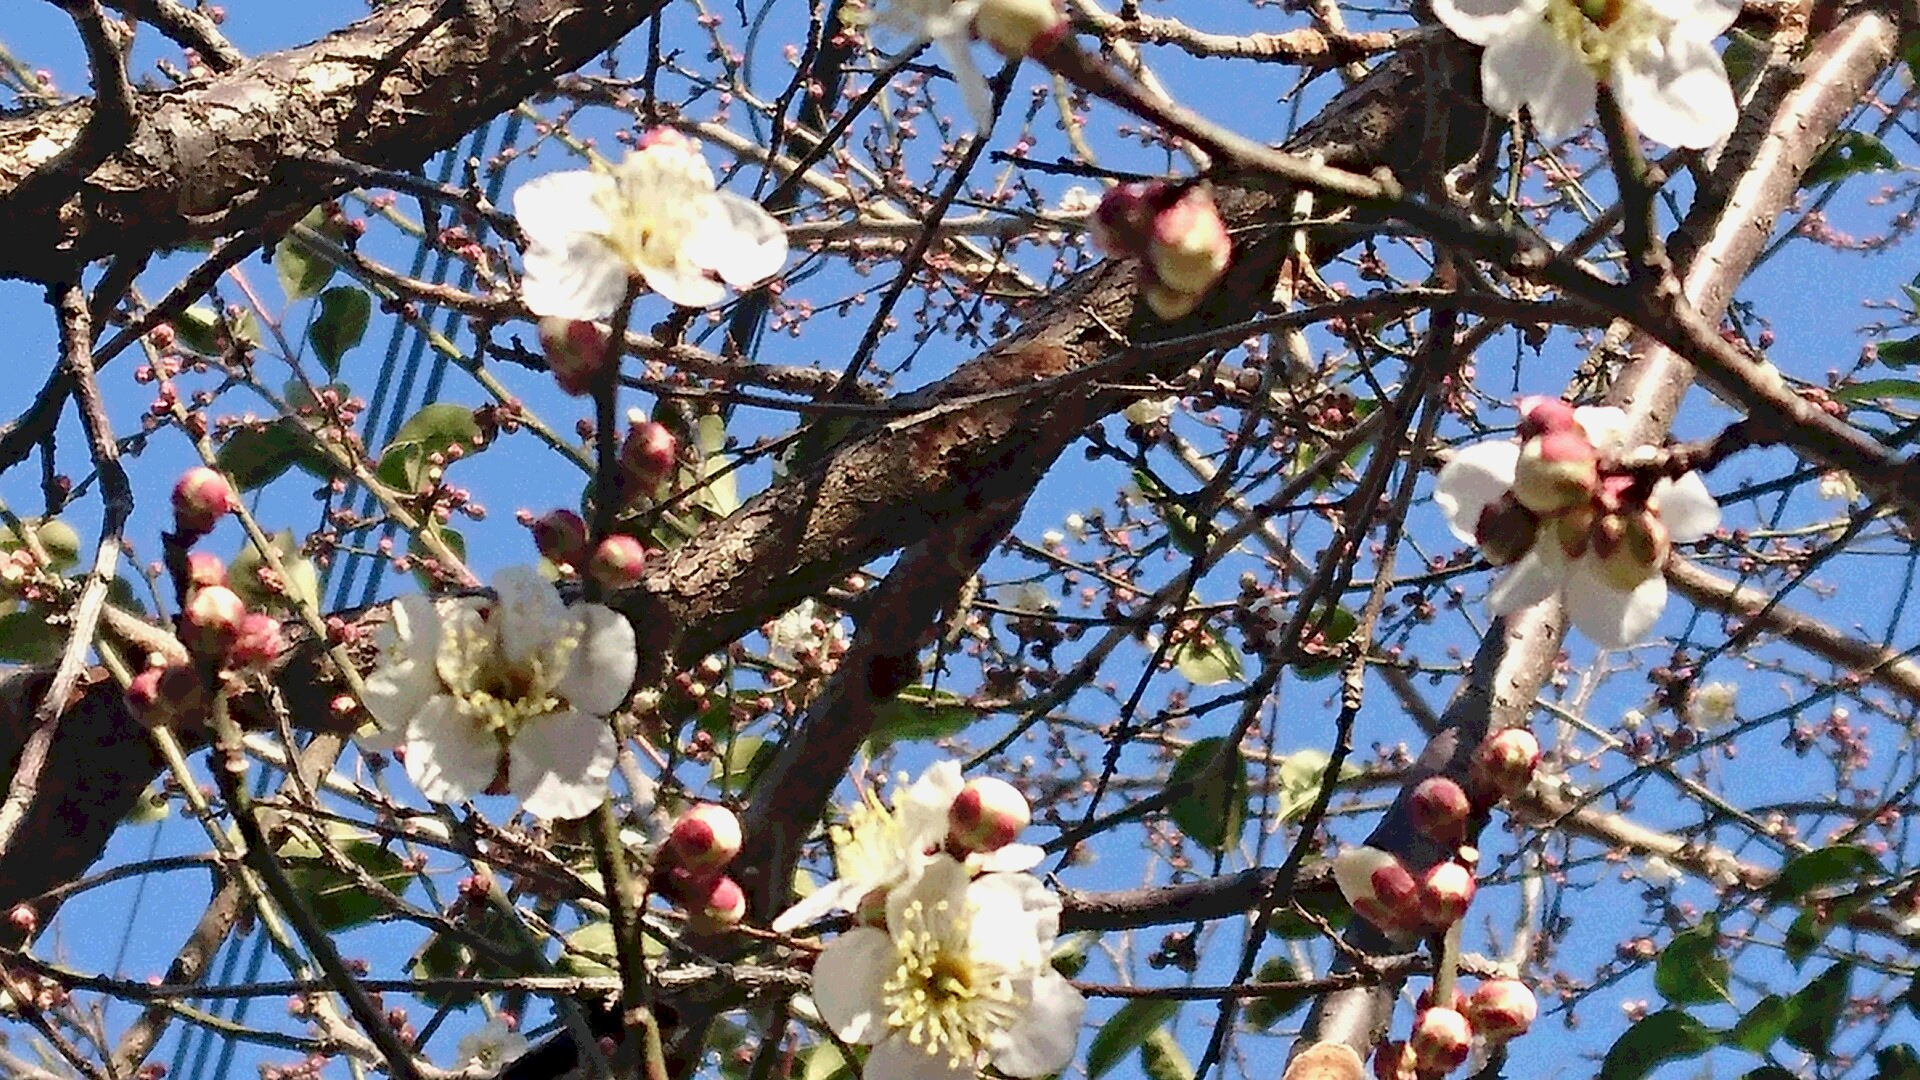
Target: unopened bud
x=650, y=454
x=166, y=696
x=1394, y=1061
x=1440, y=808
x=1539, y=415
x=204, y=569
x=576, y=351
x=212, y=622
x=1379, y=888
x=24, y=918
x=1019, y=28
x=1441, y=1041
x=1189, y=248
x=987, y=815
x=1501, y=1009
x=1503, y=765
x=1506, y=530
x=1556, y=470
x=1123, y=222
x=200, y=499
x=561, y=537
x=1446, y=891
x=618, y=562
x=259, y=641
x=666, y=137
x=716, y=905
x=705, y=839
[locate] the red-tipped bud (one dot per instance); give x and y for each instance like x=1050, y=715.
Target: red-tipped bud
x=663, y=136
x=987, y=815
x=204, y=570
x=1394, y=1061
x=576, y=351
x=1019, y=28
x=1539, y=415
x=1501, y=1009
x=1188, y=249
x=1123, y=222
x=705, y=839
x=1441, y=1041
x=200, y=499
x=1506, y=530
x=1446, y=891
x=1379, y=888
x=1503, y=765
x=649, y=455
x=1440, y=809
x=561, y=538
x=715, y=905
x=259, y=641
x=1556, y=470
x=167, y=696
x=618, y=562
x=212, y=621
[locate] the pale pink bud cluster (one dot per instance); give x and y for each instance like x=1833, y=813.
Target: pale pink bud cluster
x=703, y=842
x=1502, y=1009
x=987, y=815
x=200, y=499
x=1176, y=232
x=618, y=562
x=1382, y=890
x=577, y=353
x=1442, y=1037
x=1441, y=810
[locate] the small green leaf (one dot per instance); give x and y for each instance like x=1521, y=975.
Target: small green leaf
x=1878, y=388
x=59, y=539
x=824, y=1062
x=303, y=579
x=150, y=808
x=1265, y=1011
x=1817, y=1008
x=1816, y=870
x=1300, y=775
x=455, y=541
x=1804, y=936
x=1663, y=1036
x=741, y=762
x=1340, y=626
x=1125, y=1030
x=433, y=430
x=198, y=328
x=1162, y=1059
x=590, y=951
x=1691, y=968
x=253, y=457
x=1209, y=662
x=1213, y=812
x=1898, y=354
x=1763, y=1024
x=338, y=899
x=1326, y=904
x=919, y=713
x=339, y=325
x=1848, y=153
x=303, y=272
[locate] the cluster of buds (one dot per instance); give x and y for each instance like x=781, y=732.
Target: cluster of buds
x=1443, y=1036
x=219, y=632
x=1175, y=231
x=616, y=562
x=577, y=353
x=1400, y=901
x=693, y=864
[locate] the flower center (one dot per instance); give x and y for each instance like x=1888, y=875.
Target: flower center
x=651, y=208
x=496, y=694
x=1601, y=30
x=872, y=845
x=945, y=1002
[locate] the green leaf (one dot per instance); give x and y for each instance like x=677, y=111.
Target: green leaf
x=433, y=430
x=254, y=457
x=1898, y=354
x=303, y=272
x=1878, y=388
x=1804, y=936
x=1162, y=1059
x=1691, y=968
x=1816, y=870
x=1898, y=1062
x=735, y=768
x=1817, y=1008
x=1763, y=1024
x=337, y=899
x=1124, y=1031
x=1212, y=813
x=1340, y=627
x=1663, y=1036
x=455, y=540
x=590, y=951
x=340, y=324
x=149, y=809
x=1264, y=1012
x=1325, y=903
x=1848, y=153
x=59, y=539
x=198, y=328
x=718, y=490
x=1207, y=664
x=302, y=584
x=1300, y=776
x=824, y=1062
x=1183, y=527
x=446, y=958
x=26, y=637
x=919, y=713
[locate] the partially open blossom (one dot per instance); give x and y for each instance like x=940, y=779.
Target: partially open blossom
x=617, y=562
x=1556, y=470
x=1504, y=763
x=205, y=569
x=654, y=218
x=987, y=815
x=561, y=538
x=949, y=25
x=212, y=620
x=259, y=641
x=1446, y=891
x=1655, y=56
x=1379, y=888
x=958, y=979
x=1441, y=1040
x=576, y=351
x=200, y=499
x=1440, y=808
x=1176, y=232
x=1019, y=28
x=1501, y=1009
x=704, y=839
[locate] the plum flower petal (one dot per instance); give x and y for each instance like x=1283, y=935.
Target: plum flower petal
x=1613, y=618
x=948, y=25
x=1676, y=91
x=881, y=846
x=449, y=757
x=1535, y=578
x=1530, y=66
x=558, y=765
x=1686, y=508
x=404, y=679
x=1475, y=478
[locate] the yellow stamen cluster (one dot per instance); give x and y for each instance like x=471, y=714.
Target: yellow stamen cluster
x=943, y=1000
x=495, y=693
x=1601, y=30
x=648, y=206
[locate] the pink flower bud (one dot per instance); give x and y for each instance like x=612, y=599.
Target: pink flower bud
x=987, y=815
x=716, y=905
x=1441, y=1041
x=1446, y=891
x=200, y=499
x=1440, y=808
x=1539, y=415
x=1019, y=28
x=1188, y=249
x=1123, y=221
x=1501, y=1009
x=212, y=621
x=24, y=918
x=705, y=839
x=259, y=641
x=166, y=696
x=618, y=562
x=649, y=455
x=671, y=138
x=1379, y=888
x=561, y=538
x=1503, y=766
x=576, y=351
x=1506, y=530
x=1556, y=470
x=204, y=569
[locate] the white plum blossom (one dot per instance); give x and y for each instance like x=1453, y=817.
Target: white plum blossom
x=1712, y=705
x=492, y=1047
x=884, y=846
x=949, y=25
x=514, y=689
x=655, y=218
x=1655, y=56
x=1575, y=527
x=1657, y=871
x=959, y=978
x=807, y=627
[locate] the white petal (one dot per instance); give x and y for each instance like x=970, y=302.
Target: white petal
x=601, y=674
x=1536, y=577
x=570, y=271
x=405, y=678
x=897, y=1059
x=1676, y=92
x=1687, y=509
x=1014, y=921
x=924, y=806
x=558, y=764
x=1481, y=21
x=449, y=757
x=1474, y=478
x=940, y=880
x=973, y=86
x=1043, y=1040
x=1702, y=20
x=816, y=905
x=683, y=283
x=528, y=614
x=1531, y=66
x=1610, y=617
x=848, y=977
x=555, y=208
x=738, y=240
x=1607, y=427
x=1011, y=859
